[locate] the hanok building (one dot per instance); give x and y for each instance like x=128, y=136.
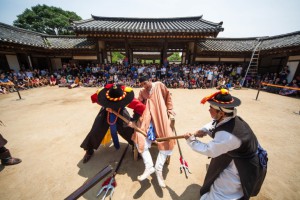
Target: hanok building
x=146, y=38
x=136, y=35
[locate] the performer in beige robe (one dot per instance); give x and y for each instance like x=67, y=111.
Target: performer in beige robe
x=158, y=101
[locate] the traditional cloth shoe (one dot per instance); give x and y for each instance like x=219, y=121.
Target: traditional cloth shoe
x=10, y=161
x=146, y=173
x=87, y=157
x=160, y=179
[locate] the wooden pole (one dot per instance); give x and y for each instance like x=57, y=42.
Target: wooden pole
x=259, y=87
x=140, y=130
x=89, y=183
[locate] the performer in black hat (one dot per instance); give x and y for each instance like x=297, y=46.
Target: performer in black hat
x=116, y=97
x=235, y=171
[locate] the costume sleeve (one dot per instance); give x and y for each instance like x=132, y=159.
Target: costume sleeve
x=94, y=98
x=140, y=98
x=222, y=143
x=207, y=127
x=167, y=97
x=137, y=106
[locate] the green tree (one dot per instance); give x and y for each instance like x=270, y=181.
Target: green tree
x=174, y=57
x=44, y=19
x=116, y=57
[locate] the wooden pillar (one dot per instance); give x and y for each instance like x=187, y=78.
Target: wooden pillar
x=164, y=56
x=127, y=52
x=130, y=56
x=102, y=54
x=194, y=52
x=98, y=53
x=29, y=61
x=187, y=55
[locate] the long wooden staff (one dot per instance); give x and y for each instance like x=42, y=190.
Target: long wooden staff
x=140, y=130
x=110, y=183
x=89, y=183
x=183, y=164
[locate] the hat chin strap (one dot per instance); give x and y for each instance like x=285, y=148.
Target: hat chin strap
x=225, y=110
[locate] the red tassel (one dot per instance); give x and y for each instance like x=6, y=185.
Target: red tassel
x=205, y=99
x=183, y=162
x=106, y=182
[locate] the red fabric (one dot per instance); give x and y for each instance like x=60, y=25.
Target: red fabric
x=94, y=98
x=106, y=182
x=183, y=162
x=205, y=99
x=108, y=86
x=137, y=106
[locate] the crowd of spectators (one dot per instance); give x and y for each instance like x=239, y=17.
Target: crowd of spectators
x=276, y=83
x=173, y=76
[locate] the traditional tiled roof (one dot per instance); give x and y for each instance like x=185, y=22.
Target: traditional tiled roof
x=14, y=35
x=248, y=44
x=70, y=42
x=281, y=41
x=148, y=25
x=20, y=36
x=227, y=44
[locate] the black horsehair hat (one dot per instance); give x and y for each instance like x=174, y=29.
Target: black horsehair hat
x=115, y=96
x=143, y=79
x=222, y=98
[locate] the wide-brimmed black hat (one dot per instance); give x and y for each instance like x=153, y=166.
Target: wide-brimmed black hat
x=222, y=98
x=115, y=96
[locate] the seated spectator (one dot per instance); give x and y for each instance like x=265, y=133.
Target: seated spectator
x=34, y=82
x=63, y=82
x=5, y=82
x=3, y=90
x=76, y=83
x=237, y=85
x=39, y=81
x=289, y=91
x=28, y=83
x=44, y=80
x=228, y=84
x=221, y=84
x=19, y=84
x=181, y=83
x=192, y=84
x=70, y=80
x=52, y=81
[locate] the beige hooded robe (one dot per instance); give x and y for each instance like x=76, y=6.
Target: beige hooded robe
x=157, y=102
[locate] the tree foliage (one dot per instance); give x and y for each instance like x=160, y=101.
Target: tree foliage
x=117, y=57
x=46, y=19
x=175, y=57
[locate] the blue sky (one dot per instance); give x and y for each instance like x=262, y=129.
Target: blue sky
x=241, y=18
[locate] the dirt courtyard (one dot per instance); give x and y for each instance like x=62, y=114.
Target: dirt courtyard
x=45, y=129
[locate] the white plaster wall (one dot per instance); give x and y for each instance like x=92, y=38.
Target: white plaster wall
x=293, y=68
x=56, y=63
x=13, y=62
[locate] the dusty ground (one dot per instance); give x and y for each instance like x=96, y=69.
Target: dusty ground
x=46, y=129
